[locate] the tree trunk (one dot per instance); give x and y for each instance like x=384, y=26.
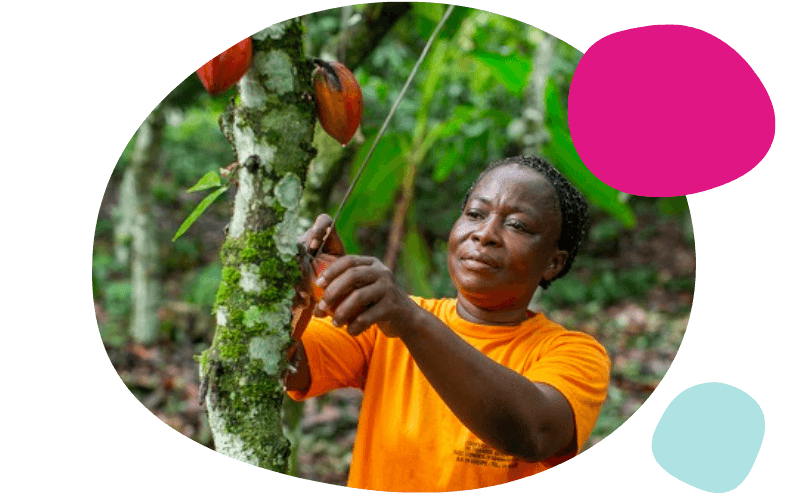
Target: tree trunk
x=360, y=35
x=271, y=130
x=137, y=201
x=124, y=213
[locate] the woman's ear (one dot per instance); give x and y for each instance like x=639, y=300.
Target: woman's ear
x=557, y=262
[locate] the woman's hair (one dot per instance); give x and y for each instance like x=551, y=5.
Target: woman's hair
x=572, y=206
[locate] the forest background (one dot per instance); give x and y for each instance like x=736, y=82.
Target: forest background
x=490, y=88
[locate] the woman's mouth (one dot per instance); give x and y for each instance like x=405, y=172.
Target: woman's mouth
x=478, y=261
x=475, y=265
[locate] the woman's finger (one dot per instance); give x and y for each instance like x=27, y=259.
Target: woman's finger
x=356, y=302
x=316, y=234
x=316, y=240
x=340, y=266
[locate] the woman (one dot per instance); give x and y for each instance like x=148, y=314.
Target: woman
x=467, y=392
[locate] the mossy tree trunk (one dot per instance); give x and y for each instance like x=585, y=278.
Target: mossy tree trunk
x=271, y=129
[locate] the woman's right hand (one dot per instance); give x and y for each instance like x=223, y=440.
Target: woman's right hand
x=297, y=376
x=311, y=240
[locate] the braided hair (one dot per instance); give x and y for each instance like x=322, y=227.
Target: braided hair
x=572, y=206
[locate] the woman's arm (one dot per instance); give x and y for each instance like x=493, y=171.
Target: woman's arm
x=298, y=378
x=531, y=421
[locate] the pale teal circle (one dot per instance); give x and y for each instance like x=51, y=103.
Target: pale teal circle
x=709, y=436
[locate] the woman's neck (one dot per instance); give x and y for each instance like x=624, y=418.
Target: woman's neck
x=504, y=316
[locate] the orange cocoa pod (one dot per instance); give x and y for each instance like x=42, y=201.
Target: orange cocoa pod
x=338, y=98
x=320, y=263
x=303, y=307
x=222, y=72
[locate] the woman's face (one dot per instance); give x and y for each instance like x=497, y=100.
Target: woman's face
x=505, y=240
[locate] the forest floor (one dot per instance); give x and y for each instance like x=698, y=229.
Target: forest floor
x=641, y=330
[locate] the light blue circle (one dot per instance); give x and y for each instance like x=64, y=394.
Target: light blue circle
x=709, y=436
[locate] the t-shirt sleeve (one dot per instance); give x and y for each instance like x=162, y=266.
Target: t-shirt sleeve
x=336, y=359
x=579, y=368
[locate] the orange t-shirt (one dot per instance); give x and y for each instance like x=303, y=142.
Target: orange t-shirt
x=408, y=439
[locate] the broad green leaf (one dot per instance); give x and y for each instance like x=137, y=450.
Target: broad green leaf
x=445, y=165
x=460, y=115
x=511, y=71
x=436, y=67
x=198, y=211
x=428, y=16
x=374, y=194
x=416, y=260
x=431, y=11
x=561, y=151
x=469, y=122
x=208, y=181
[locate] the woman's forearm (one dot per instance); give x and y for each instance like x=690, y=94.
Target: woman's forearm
x=503, y=408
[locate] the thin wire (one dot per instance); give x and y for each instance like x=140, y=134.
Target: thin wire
x=386, y=124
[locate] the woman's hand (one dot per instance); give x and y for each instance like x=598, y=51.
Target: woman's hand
x=312, y=238
x=361, y=291
x=310, y=267
x=297, y=375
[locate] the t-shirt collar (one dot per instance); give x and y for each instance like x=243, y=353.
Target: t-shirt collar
x=470, y=329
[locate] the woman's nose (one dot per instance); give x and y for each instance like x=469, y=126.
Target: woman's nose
x=487, y=232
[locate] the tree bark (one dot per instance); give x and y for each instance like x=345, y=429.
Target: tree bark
x=271, y=130
x=137, y=218
x=358, y=38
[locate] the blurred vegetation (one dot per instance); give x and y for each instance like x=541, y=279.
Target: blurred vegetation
x=631, y=287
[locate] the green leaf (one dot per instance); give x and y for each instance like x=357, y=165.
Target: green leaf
x=428, y=15
x=462, y=115
x=561, y=151
x=436, y=67
x=511, y=71
x=208, y=181
x=374, y=194
x=674, y=205
x=198, y=211
x=416, y=260
x=445, y=165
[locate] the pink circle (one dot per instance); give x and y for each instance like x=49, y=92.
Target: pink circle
x=668, y=111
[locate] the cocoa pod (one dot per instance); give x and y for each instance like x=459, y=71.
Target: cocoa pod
x=338, y=99
x=223, y=71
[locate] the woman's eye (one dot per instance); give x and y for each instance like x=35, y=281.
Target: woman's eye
x=514, y=224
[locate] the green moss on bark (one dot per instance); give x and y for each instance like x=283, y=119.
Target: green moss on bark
x=246, y=393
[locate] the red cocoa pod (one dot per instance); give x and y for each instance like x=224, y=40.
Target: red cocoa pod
x=303, y=308
x=320, y=263
x=338, y=98
x=222, y=72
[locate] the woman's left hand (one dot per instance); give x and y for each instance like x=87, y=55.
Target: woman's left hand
x=361, y=291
